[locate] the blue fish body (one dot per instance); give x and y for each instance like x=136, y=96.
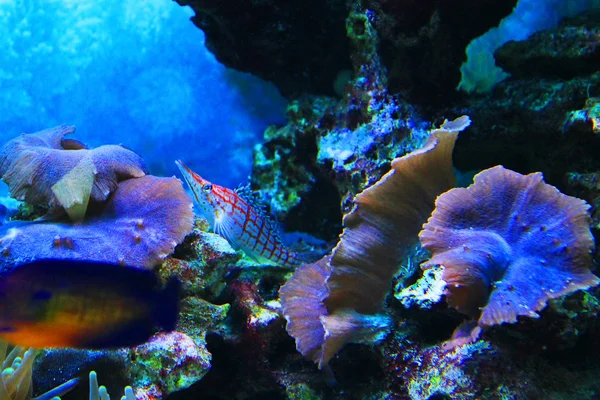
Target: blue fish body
x=84, y=304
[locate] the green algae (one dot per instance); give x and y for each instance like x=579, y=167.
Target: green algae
x=301, y=391
x=169, y=363
x=198, y=316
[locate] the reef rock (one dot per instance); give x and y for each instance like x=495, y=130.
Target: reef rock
x=169, y=362
x=298, y=45
x=568, y=51
x=541, y=120
x=332, y=149
x=301, y=46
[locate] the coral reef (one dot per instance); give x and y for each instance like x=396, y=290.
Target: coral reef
x=337, y=300
x=391, y=66
x=44, y=168
x=167, y=363
x=341, y=147
x=327, y=154
x=508, y=244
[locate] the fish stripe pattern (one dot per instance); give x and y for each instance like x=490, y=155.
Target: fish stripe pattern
x=235, y=215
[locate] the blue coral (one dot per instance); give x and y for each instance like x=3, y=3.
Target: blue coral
x=140, y=225
x=44, y=168
x=509, y=243
x=339, y=299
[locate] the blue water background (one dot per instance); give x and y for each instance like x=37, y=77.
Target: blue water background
x=131, y=72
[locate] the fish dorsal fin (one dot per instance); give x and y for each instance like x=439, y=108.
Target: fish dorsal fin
x=255, y=201
x=253, y=198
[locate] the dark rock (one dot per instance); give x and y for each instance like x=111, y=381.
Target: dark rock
x=571, y=50
x=300, y=45
x=587, y=187
x=521, y=126
x=423, y=42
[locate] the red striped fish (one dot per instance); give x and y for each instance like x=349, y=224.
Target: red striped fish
x=235, y=216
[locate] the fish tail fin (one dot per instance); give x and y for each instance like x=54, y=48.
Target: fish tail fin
x=167, y=307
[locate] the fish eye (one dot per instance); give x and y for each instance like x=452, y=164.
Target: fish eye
x=207, y=187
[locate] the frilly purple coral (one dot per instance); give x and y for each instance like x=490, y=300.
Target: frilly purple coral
x=386, y=220
x=303, y=305
x=141, y=223
x=43, y=168
x=338, y=299
x=509, y=243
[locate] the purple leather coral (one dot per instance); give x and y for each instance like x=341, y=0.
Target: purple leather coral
x=508, y=244
x=44, y=168
x=303, y=306
x=339, y=299
x=139, y=225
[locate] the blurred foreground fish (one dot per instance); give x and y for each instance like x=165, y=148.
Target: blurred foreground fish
x=83, y=304
x=235, y=215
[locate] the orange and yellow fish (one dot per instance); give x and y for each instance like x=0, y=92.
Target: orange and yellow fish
x=234, y=216
x=83, y=304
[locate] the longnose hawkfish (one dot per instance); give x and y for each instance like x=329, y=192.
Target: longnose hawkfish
x=235, y=215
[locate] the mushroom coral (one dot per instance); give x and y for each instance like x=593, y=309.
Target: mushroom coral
x=340, y=298
x=140, y=224
x=45, y=168
x=302, y=299
x=508, y=244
